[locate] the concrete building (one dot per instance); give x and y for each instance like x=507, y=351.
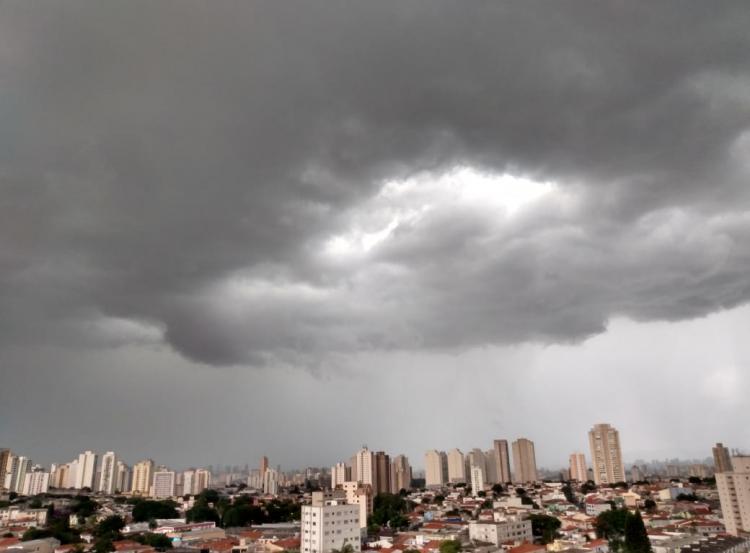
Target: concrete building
x=143, y=473
x=15, y=474
x=364, y=466
x=477, y=480
x=108, y=473
x=456, y=467
x=271, y=482
x=578, y=469
x=502, y=460
x=734, y=495
x=400, y=474
x=340, y=473
x=360, y=495
x=329, y=523
x=722, y=460
x=381, y=472
x=35, y=482
x=524, y=461
x=512, y=529
x=606, y=455
x=164, y=484
x=5, y=455
x=122, y=478
x=490, y=460
x=202, y=480
x=435, y=468
x=86, y=470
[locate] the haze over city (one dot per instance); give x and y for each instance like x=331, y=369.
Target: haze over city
x=230, y=230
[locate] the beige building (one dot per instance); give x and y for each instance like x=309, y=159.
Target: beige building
x=606, y=455
x=578, y=470
x=330, y=523
x=734, y=494
x=513, y=529
x=502, y=459
x=524, y=461
x=142, y=476
x=722, y=460
x=456, y=467
x=435, y=468
x=360, y=495
x=400, y=474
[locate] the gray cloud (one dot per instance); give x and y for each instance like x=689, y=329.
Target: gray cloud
x=177, y=172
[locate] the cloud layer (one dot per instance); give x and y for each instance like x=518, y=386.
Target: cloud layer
x=263, y=182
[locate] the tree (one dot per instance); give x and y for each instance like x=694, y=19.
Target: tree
x=146, y=509
x=83, y=506
x=544, y=527
x=388, y=509
x=450, y=546
x=567, y=491
x=498, y=489
x=611, y=526
x=695, y=480
x=346, y=548
x=160, y=542
x=201, y=512
x=109, y=527
x=103, y=545
x=588, y=487
x=636, y=537
x=649, y=505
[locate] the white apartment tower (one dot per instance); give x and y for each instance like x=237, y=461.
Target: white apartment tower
x=734, y=494
x=365, y=466
x=606, y=455
x=360, y=495
x=329, y=523
x=340, y=473
x=86, y=470
x=108, y=474
x=578, y=470
x=477, y=480
x=36, y=482
x=163, y=486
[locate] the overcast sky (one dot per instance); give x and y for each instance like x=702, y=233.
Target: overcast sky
x=230, y=229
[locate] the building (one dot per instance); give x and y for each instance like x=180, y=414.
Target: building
x=35, y=482
x=400, y=474
x=524, y=461
x=606, y=454
x=578, y=469
x=636, y=474
x=360, y=495
x=329, y=523
x=492, y=475
x=86, y=470
x=734, y=494
x=381, y=472
x=108, y=474
x=143, y=473
x=5, y=455
x=722, y=460
x=15, y=474
x=271, y=482
x=502, y=459
x=164, y=483
x=456, y=467
x=122, y=480
x=340, y=473
x=202, y=480
x=435, y=468
x=477, y=480
x=364, y=466
x=513, y=529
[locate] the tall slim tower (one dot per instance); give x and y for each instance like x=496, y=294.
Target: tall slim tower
x=456, y=467
x=433, y=468
x=722, y=460
x=143, y=474
x=524, y=461
x=400, y=474
x=734, y=495
x=502, y=458
x=263, y=465
x=4, y=458
x=108, y=475
x=578, y=470
x=365, y=467
x=86, y=474
x=606, y=455
x=382, y=472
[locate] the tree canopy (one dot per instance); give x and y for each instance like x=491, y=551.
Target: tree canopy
x=544, y=527
x=146, y=509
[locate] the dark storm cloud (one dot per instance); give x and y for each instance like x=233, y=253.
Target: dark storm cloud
x=175, y=171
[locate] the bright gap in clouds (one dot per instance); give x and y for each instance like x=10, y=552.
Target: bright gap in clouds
x=408, y=200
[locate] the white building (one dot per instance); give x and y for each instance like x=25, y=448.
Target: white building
x=271, y=482
x=365, y=466
x=86, y=470
x=512, y=529
x=329, y=523
x=436, y=468
x=142, y=477
x=15, y=475
x=360, y=495
x=35, y=482
x=477, y=480
x=163, y=486
x=578, y=469
x=340, y=473
x=108, y=474
x=122, y=480
x=456, y=467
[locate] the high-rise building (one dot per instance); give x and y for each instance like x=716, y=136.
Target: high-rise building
x=271, y=482
x=456, y=467
x=606, y=455
x=163, y=486
x=722, y=460
x=202, y=480
x=524, y=461
x=400, y=474
x=578, y=469
x=86, y=470
x=435, y=468
x=382, y=472
x=4, y=459
x=340, y=473
x=15, y=474
x=365, y=466
x=490, y=462
x=263, y=465
x=636, y=474
x=329, y=523
x=142, y=477
x=734, y=495
x=35, y=482
x=108, y=473
x=122, y=480
x=502, y=458
x=360, y=495
x=477, y=480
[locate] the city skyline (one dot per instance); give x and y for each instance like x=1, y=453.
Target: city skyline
x=252, y=229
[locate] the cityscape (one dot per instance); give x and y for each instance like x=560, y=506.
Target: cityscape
x=374, y=276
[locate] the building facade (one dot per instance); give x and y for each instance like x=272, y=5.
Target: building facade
x=606, y=454
x=524, y=461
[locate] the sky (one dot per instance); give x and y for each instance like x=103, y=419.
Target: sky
x=231, y=229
